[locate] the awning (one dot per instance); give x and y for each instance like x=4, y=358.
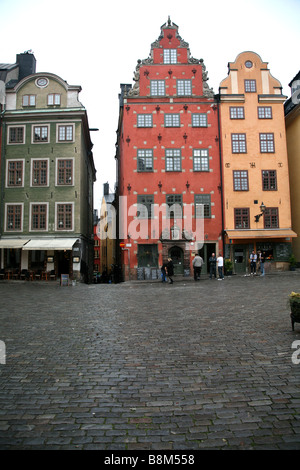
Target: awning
x=51, y=244
x=12, y=243
x=279, y=233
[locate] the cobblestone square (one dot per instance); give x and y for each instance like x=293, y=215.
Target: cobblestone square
x=150, y=366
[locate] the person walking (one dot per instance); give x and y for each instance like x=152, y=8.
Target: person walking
x=163, y=273
x=197, y=265
x=212, y=266
x=220, y=262
x=170, y=270
x=253, y=260
x=262, y=263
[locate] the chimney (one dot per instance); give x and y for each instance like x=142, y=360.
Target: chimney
x=106, y=189
x=27, y=64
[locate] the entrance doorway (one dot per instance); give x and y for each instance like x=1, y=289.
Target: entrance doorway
x=239, y=260
x=177, y=255
x=63, y=262
x=205, y=252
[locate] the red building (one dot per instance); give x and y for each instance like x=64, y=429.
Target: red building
x=168, y=162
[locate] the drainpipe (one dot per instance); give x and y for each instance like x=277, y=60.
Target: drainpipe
x=221, y=173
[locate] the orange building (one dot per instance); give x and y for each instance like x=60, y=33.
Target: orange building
x=257, y=213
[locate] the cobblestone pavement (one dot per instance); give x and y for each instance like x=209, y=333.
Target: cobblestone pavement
x=150, y=366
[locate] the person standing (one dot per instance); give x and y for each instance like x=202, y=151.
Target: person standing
x=212, y=266
x=170, y=270
x=253, y=260
x=262, y=263
x=220, y=262
x=197, y=265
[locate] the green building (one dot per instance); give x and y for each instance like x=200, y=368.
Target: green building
x=47, y=177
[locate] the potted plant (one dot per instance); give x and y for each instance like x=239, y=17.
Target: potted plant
x=228, y=267
x=293, y=262
x=294, y=301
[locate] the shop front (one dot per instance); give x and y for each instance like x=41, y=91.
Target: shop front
x=275, y=244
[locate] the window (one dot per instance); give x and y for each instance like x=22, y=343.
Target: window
x=64, y=216
x=145, y=205
x=238, y=142
x=65, y=133
x=200, y=160
x=271, y=217
x=250, y=86
x=205, y=200
x=38, y=216
x=147, y=256
x=157, y=88
x=15, y=173
x=240, y=180
x=28, y=100
x=16, y=135
x=65, y=172
x=269, y=180
x=53, y=99
x=172, y=120
x=173, y=160
x=174, y=206
x=267, y=143
x=199, y=120
x=237, y=112
x=145, y=160
x=40, y=134
x=264, y=112
x=39, y=173
x=241, y=218
x=184, y=87
x=144, y=120
x=170, y=56
x=14, y=217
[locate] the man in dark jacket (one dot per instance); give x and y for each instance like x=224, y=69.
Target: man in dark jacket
x=212, y=266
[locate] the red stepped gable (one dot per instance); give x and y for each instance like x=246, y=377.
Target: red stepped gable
x=168, y=152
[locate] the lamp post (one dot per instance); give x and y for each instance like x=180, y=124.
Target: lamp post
x=262, y=209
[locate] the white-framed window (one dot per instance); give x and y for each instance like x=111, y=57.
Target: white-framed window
x=157, y=88
x=64, y=172
x=28, y=100
x=15, y=173
x=237, y=112
x=38, y=216
x=64, y=216
x=39, y=172
x=65, y=133
x=14, y=217
x=170, y=56
x=53, y=99
x=40, y=133
x=15, y=135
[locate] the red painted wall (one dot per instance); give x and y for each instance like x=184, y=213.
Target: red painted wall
x=133, y=138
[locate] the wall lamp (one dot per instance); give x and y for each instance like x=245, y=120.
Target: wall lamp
x=263, y=209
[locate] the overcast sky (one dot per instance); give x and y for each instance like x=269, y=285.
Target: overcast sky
x=96, y=44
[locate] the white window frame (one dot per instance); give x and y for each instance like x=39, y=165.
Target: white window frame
x=73, y=215
x=23, y=173
x=67, y=124
x=31, y=173
x=170, y=56
x=73, y=172
x=16, y=127
x=30, y=216
x=33, y=133
x=5, y=216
